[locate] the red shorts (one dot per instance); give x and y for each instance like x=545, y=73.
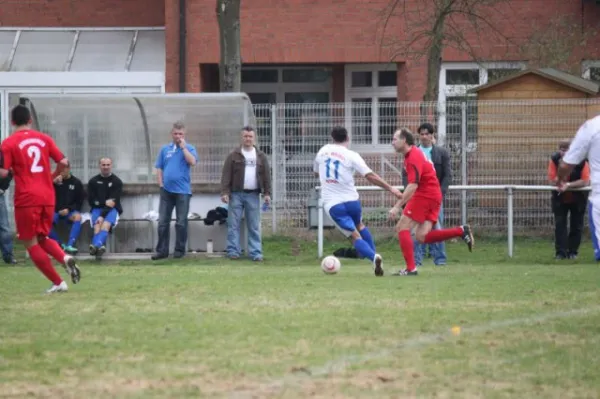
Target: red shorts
x=33, y=221
x=423, y=209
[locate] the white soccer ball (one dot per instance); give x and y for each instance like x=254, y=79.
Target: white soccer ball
x=330, y=265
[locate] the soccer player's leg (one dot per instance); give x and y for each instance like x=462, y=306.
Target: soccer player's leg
x=594, y=219
x=27, y=222
x=74, y=218
x=52, y=248
x=354, y=210
x=344, y=222
x=110, y=221
x=94, y=215
x=426, y=235
x=411, y=217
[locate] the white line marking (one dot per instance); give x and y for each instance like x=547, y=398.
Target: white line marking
x=340, y=364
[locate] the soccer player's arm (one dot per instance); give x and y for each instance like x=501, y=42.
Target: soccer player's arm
x=5, y=160
x=79, y=196
x=413, y=174
x=158, y=165
x=578, y=151
x=114, y=194
x=92, y=195
x=57, y=155
x=361, y=167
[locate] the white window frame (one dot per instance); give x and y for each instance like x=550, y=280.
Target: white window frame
x=280, y=88
x=374, y=93
x=585, y=68
x=446, y=90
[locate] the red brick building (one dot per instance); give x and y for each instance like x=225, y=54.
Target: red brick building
x=292, y=50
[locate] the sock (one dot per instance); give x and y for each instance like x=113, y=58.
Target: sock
x=41, y=260
x=364, y=250
x=100, y=239
x=366, y=235
x=443, y=235
x=54, y=235
x=406, y=245
x=74, y=234
x=52, y=248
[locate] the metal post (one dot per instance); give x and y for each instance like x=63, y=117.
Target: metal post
x=510, y=213
x=274, y=168
x=86, y=150
x=320, y=225
x=463, y=163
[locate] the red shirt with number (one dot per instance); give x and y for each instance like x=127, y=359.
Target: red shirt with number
x=421, y=171
x=28, y=153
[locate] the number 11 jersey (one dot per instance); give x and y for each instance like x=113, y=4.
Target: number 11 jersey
x=27, y=153
x=336, y=166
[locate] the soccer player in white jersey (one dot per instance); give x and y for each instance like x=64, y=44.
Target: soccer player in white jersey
x=335, y=165
x=586, y=144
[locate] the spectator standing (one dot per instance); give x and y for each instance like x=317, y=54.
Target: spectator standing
x=69, y=196
x=245, y=176
x=6, y=239
x=104, y=195
x=173, y=165
x=568, y=207
x=440, y=159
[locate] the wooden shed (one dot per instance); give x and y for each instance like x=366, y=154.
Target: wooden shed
x=520, y=120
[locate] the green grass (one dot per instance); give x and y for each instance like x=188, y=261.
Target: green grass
x=530, y=328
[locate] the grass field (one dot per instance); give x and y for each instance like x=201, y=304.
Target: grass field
x=529, y=328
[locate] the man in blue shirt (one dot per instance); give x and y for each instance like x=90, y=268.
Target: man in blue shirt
x=173, y=166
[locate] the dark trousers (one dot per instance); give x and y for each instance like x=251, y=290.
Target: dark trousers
x=181, y=203
x=567, y=240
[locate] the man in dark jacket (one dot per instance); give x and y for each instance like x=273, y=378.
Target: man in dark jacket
x=441, y=161
x=568, y=206
x=69, y=196
x=104, y=196
x=245, y=176
x=6, y=239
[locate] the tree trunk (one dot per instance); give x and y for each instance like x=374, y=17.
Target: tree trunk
x=230, y=65
x=434, y=66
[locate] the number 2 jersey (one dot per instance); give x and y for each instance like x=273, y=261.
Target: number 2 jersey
x=28, y=153
x=336, y=166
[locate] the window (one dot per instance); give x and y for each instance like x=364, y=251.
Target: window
x=591, y=70
x=260, y=76
x=306, y=75
x=371, y=95
x=595, y=74
x=456, y=79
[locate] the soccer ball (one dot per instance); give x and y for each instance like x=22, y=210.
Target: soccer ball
x=330, y=265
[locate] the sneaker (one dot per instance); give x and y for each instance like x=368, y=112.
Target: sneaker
x=93, y=249
x=71, y=267
x=377, y=265
x=467, y=237
x=405, y=272
x=70, y=250
x=100, y=251
x=62, y=287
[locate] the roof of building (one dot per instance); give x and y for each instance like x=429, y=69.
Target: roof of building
x=576, y=82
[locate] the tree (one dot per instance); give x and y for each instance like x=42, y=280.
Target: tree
x=429, y=26
x=230, y=64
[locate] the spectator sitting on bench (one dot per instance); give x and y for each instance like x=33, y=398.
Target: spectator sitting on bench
x=69, y=194
x=104, y=195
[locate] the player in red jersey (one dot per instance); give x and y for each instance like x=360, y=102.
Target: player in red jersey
x=27, y=153
x=421, y=200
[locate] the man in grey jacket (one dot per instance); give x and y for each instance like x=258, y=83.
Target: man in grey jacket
x=441, y=161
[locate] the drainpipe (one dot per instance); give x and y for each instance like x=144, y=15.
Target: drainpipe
x=182, y=45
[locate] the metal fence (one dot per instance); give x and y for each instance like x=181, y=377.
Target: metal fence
x=490, y=143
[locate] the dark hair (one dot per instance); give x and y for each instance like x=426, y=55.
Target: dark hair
x=339, y=134
x=247, y=129
x=407, y=136
x=20, y=115
x=426, y=126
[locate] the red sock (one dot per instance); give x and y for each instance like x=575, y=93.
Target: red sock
x=41, y=260
x=406, y=245
x=443, y=235
x=53, y=249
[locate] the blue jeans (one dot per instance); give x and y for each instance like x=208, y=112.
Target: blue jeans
x=249, y=203
x=437, y=250
x=181, y=203
x=6, y=241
